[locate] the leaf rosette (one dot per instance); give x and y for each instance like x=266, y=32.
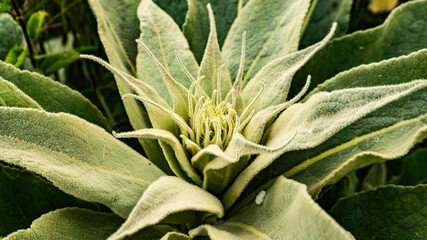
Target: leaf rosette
x=230, y=129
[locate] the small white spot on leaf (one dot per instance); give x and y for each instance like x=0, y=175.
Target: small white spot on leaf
x=260, y=197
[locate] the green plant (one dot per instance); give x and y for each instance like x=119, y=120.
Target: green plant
x=225, y=134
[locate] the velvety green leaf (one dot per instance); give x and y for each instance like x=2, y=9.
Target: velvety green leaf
x=213, y=67
x=76, y=156
x=25, y=197
x=413, y=169
x=11, y=34
x=165, y=197
x=325, y=13
x=376, y=177
x=79, y=224
x=11, y=96
x=5, y=6
x=70, y=223
x=196, y=26
x=117, y=21
x=400, y=34
x=268, y=38
x=175, y=236
x=177, y=9
x=393, y=71
x=336, y=133
x=391, y=212
x=16, y=56
x=35, y=24
x=162, y=36
x=52, y=96
x=285, y=211
x=55, y=61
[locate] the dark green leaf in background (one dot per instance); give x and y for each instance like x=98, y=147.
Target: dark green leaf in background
x=35, y=24
x=5, y=6
x=11, y=34
x=391, y=212
x=325, y=13
x=413, y=169
x=25, y=196
x=16, y=56
x=55, y=61
x=196, y=27
x=177, y=9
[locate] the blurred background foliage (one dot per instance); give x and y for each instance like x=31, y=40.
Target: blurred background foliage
x=49, y=35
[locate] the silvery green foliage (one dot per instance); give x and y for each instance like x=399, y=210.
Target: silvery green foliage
x=229, y=131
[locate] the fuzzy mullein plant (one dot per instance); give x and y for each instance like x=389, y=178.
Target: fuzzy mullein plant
x=245, y=113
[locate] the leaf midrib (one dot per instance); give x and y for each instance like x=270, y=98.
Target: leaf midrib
x=307, y=163
x=134, y=179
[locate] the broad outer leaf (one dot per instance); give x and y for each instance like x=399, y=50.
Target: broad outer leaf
x=25, y=196
x=162, y=36
x=52, y=96
x=391, y=212
x=400, y=34
x=325, y=13
x=286, y=212
x=80, y=224
x=342, y=131
x=268, y=38
x=78, y=157
x=11, y=96
x=196, y=26
x=392, y=71
x=117, y=28
x=11, y=34
x=175, y=236
x=165, y=197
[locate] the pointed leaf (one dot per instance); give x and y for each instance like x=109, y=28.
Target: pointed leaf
x=76, y=156
x=162, y=36
x=325, y=13
x=25, y=196
x=277, y=76
x=35, y=23
x=11, y=96
x=117, y=21
x=211, y=64
x=11, y=34
x=78, y=224
x=267, y=38
x=341, y=131
x=165, y=197
x=196, y=26
x=391, y=212
x=393, y=71
x=286, y=211
x=52, y=96
x=399, y=35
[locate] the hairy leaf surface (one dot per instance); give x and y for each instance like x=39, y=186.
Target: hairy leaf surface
x=11, y=96
x=166, y=197
x=362, y=134
x=286, y=212
x=117, y=21
x=52, y=96
x=268, y=38
x=77, y=157
x=399, y=35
